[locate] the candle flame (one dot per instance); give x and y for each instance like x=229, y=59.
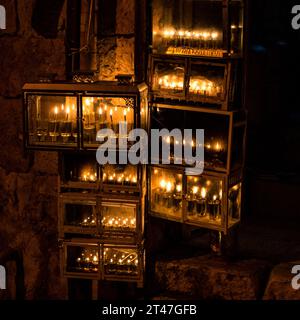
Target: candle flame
x=195, y=190
x=203, y=193
x=179, y=188
x=169, y=187
x=163, y=184
x=56, y=110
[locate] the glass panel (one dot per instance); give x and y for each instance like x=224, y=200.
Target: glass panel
x=80, y=215
x=216, y=132
x=190, y=27
x=82, y=259
x=52, y=120
x=121, y=262
x=207, y=81
x=116, y=114
x=80, y=168
x=234, y=204
x=120, y=175
x=204, y=200
x=166, y=193
x=237, y=147
x=168, y=78
x=236, y=26
x=118, y=217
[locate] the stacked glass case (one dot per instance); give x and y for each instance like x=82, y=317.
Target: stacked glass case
x=195, y=78
x=101, y=207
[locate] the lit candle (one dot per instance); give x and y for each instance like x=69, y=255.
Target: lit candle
x=111, y=117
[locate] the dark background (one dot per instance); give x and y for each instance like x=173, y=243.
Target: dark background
x=272, y=99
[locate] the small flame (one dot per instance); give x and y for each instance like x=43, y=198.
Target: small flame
x=195, y=190
x=163, y=184
x=203, y=193
x=179, y=188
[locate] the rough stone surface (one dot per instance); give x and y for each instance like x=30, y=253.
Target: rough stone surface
x=279, y=286
x=28, y=180
x=116, y=56
x=208, y=277
x=125, y=19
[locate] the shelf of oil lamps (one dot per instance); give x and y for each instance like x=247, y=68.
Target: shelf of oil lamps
x=197, y=28
x=105, y=115
x=69, y=116
x=195, y=43
x=88, y=261
x=121, y=262
x=119, y=217
x=59, y=127
x=120, y=178
x=200, y=86
x=167, y=198
x=212, y=200
x=81, y=259
x=79, y=171
x=77, y=214
x=215, y=152
x=204, y=207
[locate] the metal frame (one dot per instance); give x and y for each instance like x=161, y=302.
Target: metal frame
x=100, y=274
x=121, y=237
x=227, y=102
x=232, y=124
x=228, y=181
x=226, y=46
x=101, y=89
x=77, y=199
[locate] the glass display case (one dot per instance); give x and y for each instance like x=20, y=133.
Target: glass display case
x=91, y=260
x=79, y=171
x=212, y=84
x=116, y=114
x=78, y=215
x=212, y=28
x=121, y=178
x=224, y=134
x=69, y=116
x=166, y=193
x=169, y=78
x=123, y=263
x=210, y=200
x=81, y=259
x=53, y=120
x=121, y=219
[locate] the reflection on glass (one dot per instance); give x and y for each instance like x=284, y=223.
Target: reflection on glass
x=166, y=192
x=207, y=81
x=195, y=27
x=100, y=113
x=118, y=217
x=80, y=215
x=234, y=203
x=121, y=262
x=52, y=120
x=204, y=200
x=80, y=168
x=169, y=77
x=82, y=259
x=120, y=175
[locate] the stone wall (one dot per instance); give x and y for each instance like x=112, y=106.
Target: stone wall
x=116, y=50
x=28, y=181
